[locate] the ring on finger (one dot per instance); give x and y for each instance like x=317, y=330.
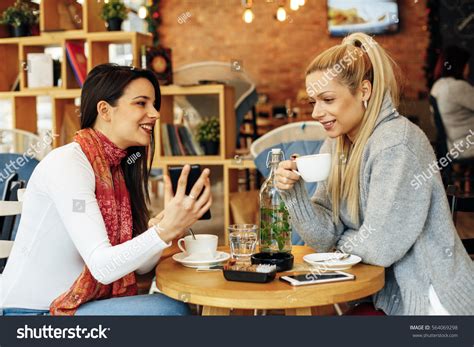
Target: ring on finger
x=192, y=196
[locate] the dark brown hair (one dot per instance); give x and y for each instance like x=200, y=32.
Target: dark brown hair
x=107, y=82
x=451, y=63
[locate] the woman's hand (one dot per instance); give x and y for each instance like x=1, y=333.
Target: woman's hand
x=181, y=211
x=155, y=220
x=285, y=177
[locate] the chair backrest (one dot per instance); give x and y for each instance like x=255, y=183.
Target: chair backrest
x=9, y=161
x=303, y=138
x=298, y=131
x=461, y=203
x=21, y=141
x=5, y=185
x=21, y=193
x=5, y=249
x=441, y=137
x=10, y=210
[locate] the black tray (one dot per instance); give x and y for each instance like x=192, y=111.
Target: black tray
x=249, y=276
x=283, y=261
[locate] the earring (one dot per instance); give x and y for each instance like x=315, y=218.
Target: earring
x=365, y=104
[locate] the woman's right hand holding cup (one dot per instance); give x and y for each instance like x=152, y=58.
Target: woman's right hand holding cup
x=285, y=174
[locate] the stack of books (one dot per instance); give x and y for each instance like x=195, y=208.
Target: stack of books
x=178, y=140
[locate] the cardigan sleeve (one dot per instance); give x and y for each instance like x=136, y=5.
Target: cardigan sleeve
x=313, y=217
x=397, y=209
x=70, y=183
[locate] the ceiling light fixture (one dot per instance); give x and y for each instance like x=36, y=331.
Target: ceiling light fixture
x=248, y=15
x=281, y=14
x=294, y=5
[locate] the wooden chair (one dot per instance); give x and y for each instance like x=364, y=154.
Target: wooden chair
x=8, y=209
x=9, y=222
x=461, y=203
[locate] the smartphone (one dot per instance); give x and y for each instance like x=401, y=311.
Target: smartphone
x=313, y=278
x=194, y=174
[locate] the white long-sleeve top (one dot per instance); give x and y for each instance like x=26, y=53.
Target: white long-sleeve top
x=455, y=99
x=61, y=230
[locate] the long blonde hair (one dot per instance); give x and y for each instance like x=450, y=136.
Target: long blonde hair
x=372, y=63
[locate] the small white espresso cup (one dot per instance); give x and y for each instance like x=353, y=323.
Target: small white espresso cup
x=204, y=245
x=314, y=168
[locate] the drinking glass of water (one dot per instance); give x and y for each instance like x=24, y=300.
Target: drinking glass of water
x=243, y=241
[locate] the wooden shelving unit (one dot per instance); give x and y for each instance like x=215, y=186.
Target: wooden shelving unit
x=13, y=58
x=225, y=100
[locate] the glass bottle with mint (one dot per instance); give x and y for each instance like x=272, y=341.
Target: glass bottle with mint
x=275, y=228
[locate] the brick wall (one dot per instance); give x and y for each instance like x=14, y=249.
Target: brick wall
x=276, y=54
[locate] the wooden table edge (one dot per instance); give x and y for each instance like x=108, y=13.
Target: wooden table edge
x=249, y=304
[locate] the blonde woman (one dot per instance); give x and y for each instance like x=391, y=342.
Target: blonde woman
x=372, y=205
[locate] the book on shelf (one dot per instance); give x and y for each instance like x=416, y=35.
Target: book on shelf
x=196, y=146
x=188, y=146
x=178, y=140
x=175, y=150
x=40, y=70
x=182, y=150
x=77, y=59
x=165, y=140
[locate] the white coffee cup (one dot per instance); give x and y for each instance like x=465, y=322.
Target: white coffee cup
x=204, y=247
x=314, y=168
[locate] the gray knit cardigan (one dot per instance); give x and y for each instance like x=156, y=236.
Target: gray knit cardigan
x=405, y=222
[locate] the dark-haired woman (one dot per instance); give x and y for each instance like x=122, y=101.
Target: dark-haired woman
x=85, y=229
x=455, y=99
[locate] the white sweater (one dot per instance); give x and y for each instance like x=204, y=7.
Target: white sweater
x=455, y=99
x=54, y=242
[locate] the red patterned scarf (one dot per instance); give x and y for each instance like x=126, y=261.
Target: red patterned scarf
x=114, y=203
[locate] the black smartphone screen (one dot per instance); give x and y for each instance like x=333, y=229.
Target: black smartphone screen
x=194, y=174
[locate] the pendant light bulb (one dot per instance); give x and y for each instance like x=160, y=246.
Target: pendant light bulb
x=248, y=16
x=142, y=12
x=294, y=5
x=281, y=14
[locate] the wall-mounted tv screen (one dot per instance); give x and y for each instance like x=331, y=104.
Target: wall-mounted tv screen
x=367, y=16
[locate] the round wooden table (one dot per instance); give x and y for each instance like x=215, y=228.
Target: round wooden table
x=217, y=295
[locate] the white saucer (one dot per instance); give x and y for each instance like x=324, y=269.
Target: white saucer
x=328, y=261
x=196, y=264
